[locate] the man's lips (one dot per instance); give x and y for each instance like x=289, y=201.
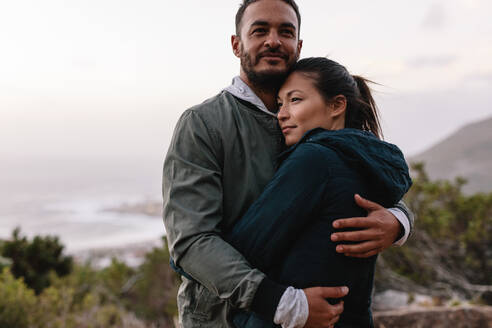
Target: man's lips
x=272, y=56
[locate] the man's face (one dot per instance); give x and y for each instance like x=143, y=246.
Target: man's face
x=268, y=44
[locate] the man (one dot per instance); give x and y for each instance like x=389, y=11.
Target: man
x=220, y=158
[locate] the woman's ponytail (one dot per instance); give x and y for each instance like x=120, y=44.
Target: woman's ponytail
x=365, y=114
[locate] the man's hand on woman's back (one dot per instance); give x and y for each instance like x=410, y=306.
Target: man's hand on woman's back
x=378, y=230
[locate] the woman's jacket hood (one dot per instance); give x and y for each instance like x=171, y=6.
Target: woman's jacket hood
x=379, y=161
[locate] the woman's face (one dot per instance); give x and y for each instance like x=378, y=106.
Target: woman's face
x=302, y=108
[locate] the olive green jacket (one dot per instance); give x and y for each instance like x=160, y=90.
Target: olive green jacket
x=220, y=158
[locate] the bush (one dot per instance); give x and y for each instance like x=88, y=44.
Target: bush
x=33, y=260
x=17, y=301
x=51, y=292
x=116, y=276
x=451, y=247
x=153, y=296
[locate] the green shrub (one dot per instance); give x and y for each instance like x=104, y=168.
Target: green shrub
x=116, y=296
x=17, y=301
x=33, y=260
x=153, y=296
x=452, y=241
x=116, y=276
x=70, y=304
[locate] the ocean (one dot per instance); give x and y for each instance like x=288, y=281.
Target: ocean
x=70, y=199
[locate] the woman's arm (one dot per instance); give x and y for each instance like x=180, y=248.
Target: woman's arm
x=285, y=207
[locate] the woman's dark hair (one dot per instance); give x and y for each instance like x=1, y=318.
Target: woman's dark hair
x=332, y=79
x=246, y=3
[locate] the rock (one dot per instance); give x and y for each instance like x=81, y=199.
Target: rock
x=394, y=299
x=390, y=300
x=437, y=317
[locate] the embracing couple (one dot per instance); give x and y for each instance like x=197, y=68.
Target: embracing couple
x=261, y=188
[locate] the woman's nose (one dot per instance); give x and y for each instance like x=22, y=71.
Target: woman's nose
x=282, y=114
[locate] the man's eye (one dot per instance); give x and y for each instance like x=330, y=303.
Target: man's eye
x=287, y=32
x=259, y=31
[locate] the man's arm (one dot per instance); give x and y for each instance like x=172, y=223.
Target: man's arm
x=192, y=192
x=378, y=231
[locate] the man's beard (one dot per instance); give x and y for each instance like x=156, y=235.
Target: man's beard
x=268, y=79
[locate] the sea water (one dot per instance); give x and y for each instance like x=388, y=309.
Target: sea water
x=73, y=204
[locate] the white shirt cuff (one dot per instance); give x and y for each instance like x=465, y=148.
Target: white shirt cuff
x=293, y=309
x=402, y=218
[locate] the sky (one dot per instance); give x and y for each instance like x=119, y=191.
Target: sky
x=108, y=79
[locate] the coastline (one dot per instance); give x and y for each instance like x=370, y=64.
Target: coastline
x=132, y=254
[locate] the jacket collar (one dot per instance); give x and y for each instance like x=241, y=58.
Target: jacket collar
x=241, y=90
x=319, y=135
x=306, y=137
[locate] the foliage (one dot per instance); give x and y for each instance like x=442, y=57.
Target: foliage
x=115, y=296
x=154, y=295
x=16, y=301
x=33, y=260
x=452, y=243
x=5, y=262
x=116, y=275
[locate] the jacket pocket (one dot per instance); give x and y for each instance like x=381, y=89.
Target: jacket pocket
x=199, y=307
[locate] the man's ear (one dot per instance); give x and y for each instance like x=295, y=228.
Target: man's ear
x=236, y=45
x=299, y=47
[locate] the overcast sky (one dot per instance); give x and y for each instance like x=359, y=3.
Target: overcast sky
x=109, y=78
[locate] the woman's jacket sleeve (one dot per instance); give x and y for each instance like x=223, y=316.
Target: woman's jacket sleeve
x=284, y=209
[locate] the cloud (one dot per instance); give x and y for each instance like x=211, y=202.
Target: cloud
x=84, y=63
x=437, y=61
x=435, y=18
x=479, y=77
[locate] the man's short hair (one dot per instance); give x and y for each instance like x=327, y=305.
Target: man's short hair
x=246, y=3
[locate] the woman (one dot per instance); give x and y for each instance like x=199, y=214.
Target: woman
x=330, y=120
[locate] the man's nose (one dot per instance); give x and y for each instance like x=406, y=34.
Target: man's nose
x=273, y=40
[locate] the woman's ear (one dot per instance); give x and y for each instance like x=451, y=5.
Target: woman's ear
x=339, y=105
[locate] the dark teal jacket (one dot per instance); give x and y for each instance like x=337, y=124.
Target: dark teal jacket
x=286, y=232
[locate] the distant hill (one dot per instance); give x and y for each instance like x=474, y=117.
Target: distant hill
x=466, y=153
